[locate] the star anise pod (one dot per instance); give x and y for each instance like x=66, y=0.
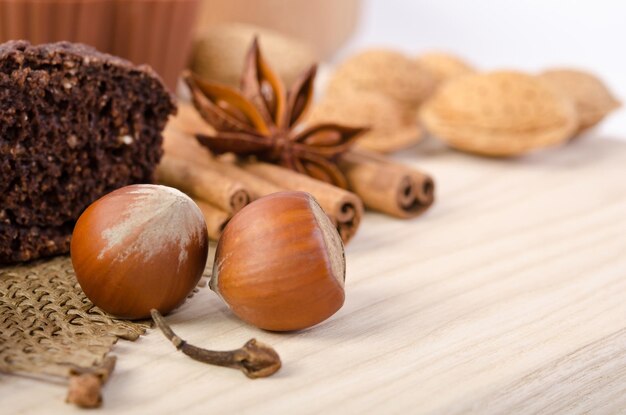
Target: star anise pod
x=262, y=120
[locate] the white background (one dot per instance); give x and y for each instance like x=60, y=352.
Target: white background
x=523, y=34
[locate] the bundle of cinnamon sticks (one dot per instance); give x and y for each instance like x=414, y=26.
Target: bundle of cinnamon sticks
x=221, y=186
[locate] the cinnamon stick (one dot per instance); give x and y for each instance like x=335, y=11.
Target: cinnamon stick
x=344, y=208
x=215, y=218
x=387, y=186
x=184, y=146
x=206, y=184
x=257, y=186
x=189, y=121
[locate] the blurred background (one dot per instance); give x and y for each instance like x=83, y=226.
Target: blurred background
x=489, y=34
x=528, y=35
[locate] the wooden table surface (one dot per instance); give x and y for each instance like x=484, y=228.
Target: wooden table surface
x=509, y=296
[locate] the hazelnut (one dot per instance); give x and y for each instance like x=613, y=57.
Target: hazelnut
x=138, y=248
x=280, y=263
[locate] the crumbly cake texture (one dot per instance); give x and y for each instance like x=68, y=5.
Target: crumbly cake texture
x=75, y=124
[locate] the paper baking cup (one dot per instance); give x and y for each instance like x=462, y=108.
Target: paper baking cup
x=44, y=21
x=155, y=32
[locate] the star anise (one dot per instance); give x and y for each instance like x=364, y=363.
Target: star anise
x=262, y=120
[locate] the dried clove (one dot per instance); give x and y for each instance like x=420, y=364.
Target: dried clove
x=84, y=390
x=85, y=384
x=254, y=359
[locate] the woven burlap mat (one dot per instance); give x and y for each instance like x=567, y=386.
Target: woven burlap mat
x=47, y=325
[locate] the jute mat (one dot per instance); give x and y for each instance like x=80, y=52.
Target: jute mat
x=49, y=328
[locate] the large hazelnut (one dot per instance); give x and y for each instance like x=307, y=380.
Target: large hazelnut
x=138, y=248
x=280, y=263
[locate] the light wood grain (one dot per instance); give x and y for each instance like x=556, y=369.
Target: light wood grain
x=509, y=296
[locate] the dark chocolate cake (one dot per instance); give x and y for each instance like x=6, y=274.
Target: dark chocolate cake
x=75, y=124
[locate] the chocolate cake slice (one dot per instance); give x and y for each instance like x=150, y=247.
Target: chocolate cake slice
x=75, y=124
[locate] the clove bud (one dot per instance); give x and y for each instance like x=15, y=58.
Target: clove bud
x=254, y=359
x=85, y=384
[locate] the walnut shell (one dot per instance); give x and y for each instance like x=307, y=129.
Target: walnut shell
x=592, y=99
x=503, y=113
x=387, y=72
x=390, y=128
x=220, y=50
x=444, y=66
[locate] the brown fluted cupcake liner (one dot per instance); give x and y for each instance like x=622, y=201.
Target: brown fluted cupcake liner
x=153, y=32
x=156, y=32
x=44, y=21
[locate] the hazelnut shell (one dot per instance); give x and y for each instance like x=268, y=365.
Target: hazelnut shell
x=139, y=247
x=280, y=263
